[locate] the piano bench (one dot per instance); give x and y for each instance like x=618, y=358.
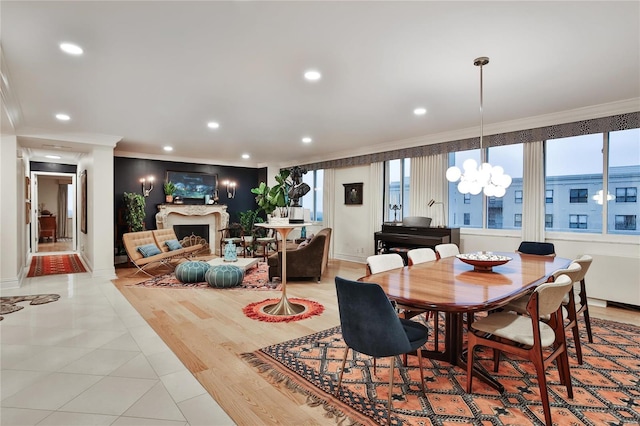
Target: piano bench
x=402, y=251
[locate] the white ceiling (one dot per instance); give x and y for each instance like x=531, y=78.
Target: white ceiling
x=154, y=73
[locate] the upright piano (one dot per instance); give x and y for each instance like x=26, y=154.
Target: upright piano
x=413, y=232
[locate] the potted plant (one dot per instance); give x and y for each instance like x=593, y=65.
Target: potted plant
x=275, y=200
x=134, y=205
x=248, y=219
x=169, y=190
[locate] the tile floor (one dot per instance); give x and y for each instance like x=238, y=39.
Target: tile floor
x=90, y=359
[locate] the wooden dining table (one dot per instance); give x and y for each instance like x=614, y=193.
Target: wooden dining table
x=455, y=288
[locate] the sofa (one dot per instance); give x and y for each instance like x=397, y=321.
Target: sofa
x=307, y=261
x=132, y=242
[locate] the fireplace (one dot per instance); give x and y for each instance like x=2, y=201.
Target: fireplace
x=188, y=230
x=213, y=215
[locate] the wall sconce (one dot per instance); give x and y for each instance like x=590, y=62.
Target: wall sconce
x=231, y=188
x=431, y=203
x=147, y=185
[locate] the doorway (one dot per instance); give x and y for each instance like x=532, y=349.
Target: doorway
x=53, y=221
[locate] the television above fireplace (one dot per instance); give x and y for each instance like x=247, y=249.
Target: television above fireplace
x=194, y=186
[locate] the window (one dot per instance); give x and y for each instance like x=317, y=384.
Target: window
x=623, y=182
x=626, y=195
x=313, y=199
x=461, y=206
x=578, y=196
x=467, y=218
x=517, y=220
x=71, y=199
x=467, y=198
x=397, y=174
x=573, y=170
x=626, y=222
x=578, y=221
x=518, y=196
x=548, y=196
x=548, y=221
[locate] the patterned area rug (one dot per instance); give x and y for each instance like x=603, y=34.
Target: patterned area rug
x=606, y=387
x=55, y=264
x=255, y=278
x=8, y=304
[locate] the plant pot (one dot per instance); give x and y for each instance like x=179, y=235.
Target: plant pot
x=168, y=198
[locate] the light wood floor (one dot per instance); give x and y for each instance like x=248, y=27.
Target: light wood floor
x=60, y=245
x=208, y=331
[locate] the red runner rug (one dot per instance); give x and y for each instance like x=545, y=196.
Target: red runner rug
x=55, y=264
x=606, y=388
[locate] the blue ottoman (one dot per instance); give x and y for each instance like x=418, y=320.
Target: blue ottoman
x=192, y=271
x=224, y=276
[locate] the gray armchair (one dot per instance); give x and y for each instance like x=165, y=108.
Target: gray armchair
x=305, y=262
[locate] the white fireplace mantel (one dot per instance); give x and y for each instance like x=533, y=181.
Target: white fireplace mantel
x=214, y=215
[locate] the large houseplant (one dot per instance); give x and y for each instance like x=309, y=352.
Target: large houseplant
x=275, y=199
x=134, y=205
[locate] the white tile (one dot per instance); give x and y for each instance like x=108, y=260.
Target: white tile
x=135, y=421
x=111, y=395
x=21, y=416
x=13, y=381
x=100, y=362
x=92, y=338
x=51, y=392
x=203, y=410
x=182, y=385
x=122, y=343
x=156, y=404
x=138, y=367
x=52, y=359
x=61, y=418
x=14, y=354
x=165, y=363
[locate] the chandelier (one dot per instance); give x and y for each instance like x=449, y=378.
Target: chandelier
x=473, y=179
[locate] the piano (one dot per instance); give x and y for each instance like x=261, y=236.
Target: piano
x=413, y=232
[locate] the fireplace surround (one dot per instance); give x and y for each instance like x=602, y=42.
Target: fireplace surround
x=214, y=215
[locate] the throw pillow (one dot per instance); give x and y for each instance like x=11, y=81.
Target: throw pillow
x=302, y=244
x=149, y=250
x=173, y=245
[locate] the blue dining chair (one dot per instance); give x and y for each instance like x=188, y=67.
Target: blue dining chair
x=534, y=247
x=371, y=326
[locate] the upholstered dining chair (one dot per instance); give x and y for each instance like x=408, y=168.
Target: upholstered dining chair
x=534, y=247
x=383, y=262
x=581, y=305
x=370, y=326
x=526, y=336
x=447, y=250
x=421, y=255
x=573, y=271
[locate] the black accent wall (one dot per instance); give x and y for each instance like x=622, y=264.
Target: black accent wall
x=38, y=166
x=129, y=171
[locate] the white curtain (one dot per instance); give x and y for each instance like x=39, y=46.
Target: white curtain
x=62, y=211
x=533, y=192
x=427, y=183
x=376, y=213
x=328, y=202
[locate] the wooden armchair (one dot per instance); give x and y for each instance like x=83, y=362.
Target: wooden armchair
x=48, y=228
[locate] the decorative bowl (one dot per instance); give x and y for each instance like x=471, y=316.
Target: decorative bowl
x=483, y=261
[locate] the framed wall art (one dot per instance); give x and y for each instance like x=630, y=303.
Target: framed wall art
x=352, y=193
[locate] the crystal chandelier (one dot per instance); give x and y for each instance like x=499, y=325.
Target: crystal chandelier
x=486, y=178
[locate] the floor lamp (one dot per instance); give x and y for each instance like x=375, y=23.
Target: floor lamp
x=431, y=203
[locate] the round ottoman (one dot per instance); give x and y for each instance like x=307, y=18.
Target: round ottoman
x=192, y=271
x=224, y=276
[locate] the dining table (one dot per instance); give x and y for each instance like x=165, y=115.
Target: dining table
x=458, y=289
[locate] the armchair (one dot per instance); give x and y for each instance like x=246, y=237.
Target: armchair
x=304, y=262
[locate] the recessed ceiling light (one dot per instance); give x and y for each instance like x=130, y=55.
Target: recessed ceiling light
x=420, y=111
x=71, y=49
x=306, y=139
x=168, y=148
x=53, y=157
x=312, y=75
x=245, y=156
x=63, y=117
x=213, y=125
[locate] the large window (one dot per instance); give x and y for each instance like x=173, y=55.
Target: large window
x=462, y=208
x=502, y=212
x=397, y=173
x=574, y=169
x=624, y=179
x=313, y=199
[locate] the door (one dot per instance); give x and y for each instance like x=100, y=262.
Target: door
x=53, y=201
